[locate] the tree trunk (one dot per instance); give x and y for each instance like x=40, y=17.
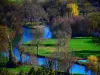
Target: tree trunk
x=21, y=57
x=10, y=51
x=37, y=49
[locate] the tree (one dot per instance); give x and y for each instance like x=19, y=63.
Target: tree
x=94, y=20
x=22, y=73
x=61, y=27
x=3, y=38
x=93, y=63
x=55, y=8
x=32, y=11
x=9, y=19
x=21, y=49
x=74, y=7
x=64, y=53
x=9, y=15
x=38, y=33
x=62, y=31
x=41, y=71
x=6, y=42
x=79, y=26
x=32, y=71
x=4, y=71
x=94, y=26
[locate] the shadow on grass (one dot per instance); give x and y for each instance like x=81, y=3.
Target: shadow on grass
x=50, y=45
x=81, y=37
x=47, y=45
x=86, y=53
x=95, y=40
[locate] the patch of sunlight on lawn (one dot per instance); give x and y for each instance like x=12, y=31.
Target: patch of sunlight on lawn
x=83, y=44
x=24, y=68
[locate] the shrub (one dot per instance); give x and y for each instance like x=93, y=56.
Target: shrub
x=41, y=71
x=12, y=63
x=4, y=71
x=21, y=73
x=92, y=63
x=32, y=71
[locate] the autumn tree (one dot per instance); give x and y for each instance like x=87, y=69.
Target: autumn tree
x=32, y=11
x=10, y=23
x=10, y=15
x=62, y=31
x=74, y=8
x=55, y=8
x=79, y=26
x=94, y=26
x=93, y=63
x=22, y=50
x=94, y=20
x=6, y=42
x=63, y=50
x=38, y=35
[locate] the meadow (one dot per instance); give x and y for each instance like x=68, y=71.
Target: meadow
x=81, y=46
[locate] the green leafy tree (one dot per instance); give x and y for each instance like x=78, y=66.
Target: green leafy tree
x=94, y=20
x=6, y=42
x=94, y=26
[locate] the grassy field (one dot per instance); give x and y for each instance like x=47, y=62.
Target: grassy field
x=80, y=46
x=83, y=47
x=24, y=68
x=43, y=51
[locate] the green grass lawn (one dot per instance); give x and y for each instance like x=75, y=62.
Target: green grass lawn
x=80, y=46
x=45, y=41
x=24, y=68
x=43, y=51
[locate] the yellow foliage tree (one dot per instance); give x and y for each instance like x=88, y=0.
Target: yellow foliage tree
x=6, y=35
x=74, y=8
x=93, y=63
x=4, y=45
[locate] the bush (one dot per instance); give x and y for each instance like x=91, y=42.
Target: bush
x=4, y=71
x=12, y=63
x=32, y=71
x=21, y=73
x=41, y=71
